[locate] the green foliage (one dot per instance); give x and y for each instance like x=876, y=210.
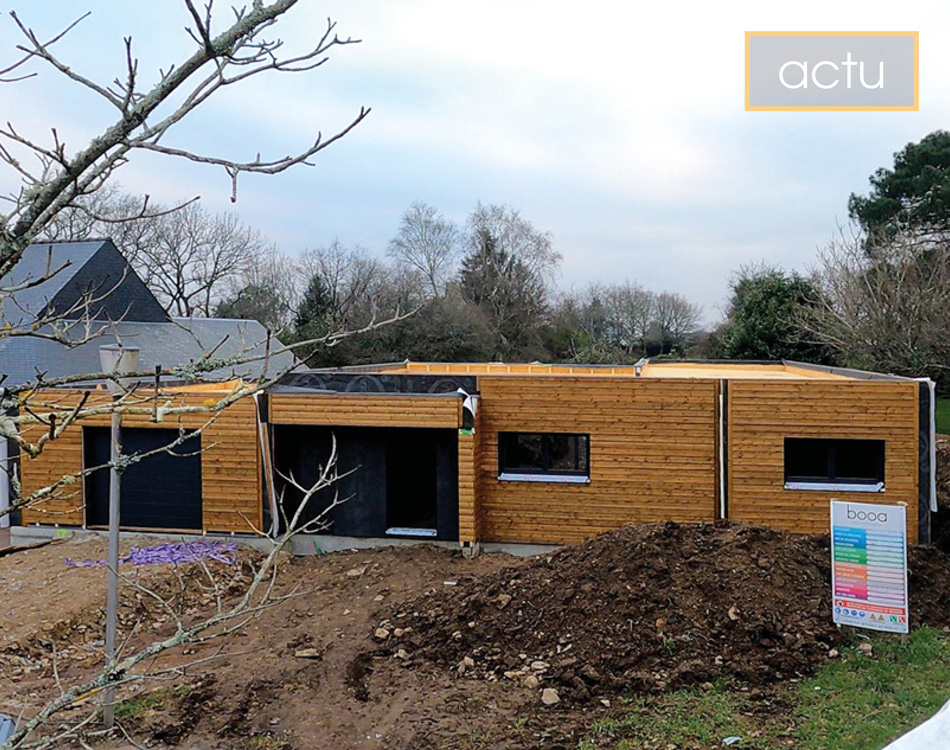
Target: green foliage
x=943, y=416
x=508, y=293
x=134, y=708
x=685, y=718
x=762, y=319
x=315, y=318
x=857, y=702
x=254, y=302
x=915, y=194
x=139, y=705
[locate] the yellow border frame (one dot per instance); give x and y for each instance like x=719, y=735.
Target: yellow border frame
x=914, y=108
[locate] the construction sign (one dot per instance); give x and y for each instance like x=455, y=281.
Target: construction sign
x=869, y=566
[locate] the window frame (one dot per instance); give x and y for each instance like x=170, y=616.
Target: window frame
x=831, y=482
x=545, y=473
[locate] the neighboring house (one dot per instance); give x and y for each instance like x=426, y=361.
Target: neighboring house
x=93, y=297
x=95, y=294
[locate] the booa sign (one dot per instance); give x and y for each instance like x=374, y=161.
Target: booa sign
x=869, y=566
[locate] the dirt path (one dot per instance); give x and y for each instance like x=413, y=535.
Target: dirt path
x=308, y=674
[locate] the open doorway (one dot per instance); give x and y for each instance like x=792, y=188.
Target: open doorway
x=411, y=484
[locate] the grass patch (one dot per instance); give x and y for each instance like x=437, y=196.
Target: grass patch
x=858, y=702
x=864, y=702
x=682, y=719
x=139, y=705
x=135, y=707
x=943, y=416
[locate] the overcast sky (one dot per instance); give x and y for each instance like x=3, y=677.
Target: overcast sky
x=618, y=127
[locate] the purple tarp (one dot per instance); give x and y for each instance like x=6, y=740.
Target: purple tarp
x=172, y=553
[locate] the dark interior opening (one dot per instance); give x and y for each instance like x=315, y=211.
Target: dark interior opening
x=390, y=478
x=411, y=492
x=837, y=460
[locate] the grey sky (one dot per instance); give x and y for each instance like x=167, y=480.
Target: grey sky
x=619, y=127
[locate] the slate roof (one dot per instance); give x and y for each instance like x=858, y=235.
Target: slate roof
x=180, y=342
x=123, y=311
x=86, y=280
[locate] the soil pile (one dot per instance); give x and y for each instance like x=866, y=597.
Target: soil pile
x=940, y=521
x=648, y=608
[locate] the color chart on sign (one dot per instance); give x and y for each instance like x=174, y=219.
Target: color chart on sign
x=869, y=566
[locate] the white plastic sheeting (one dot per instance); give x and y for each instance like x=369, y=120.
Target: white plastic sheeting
x=933, y=734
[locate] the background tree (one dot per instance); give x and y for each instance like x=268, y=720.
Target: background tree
x=675, y=321
x=267, y=291
x=620, y=323
x=193, y=256
x=888, y=310
x=914, y=195
x=763, y=319
x=506, y=275
x=428, y=244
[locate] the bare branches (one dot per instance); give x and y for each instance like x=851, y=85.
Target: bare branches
x=237, y=53
x=224, y=620
x=885, y=308
x=234, y=169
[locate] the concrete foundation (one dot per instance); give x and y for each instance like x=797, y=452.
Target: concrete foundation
x=301, y=545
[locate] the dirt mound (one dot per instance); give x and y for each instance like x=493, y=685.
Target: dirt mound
x=648, y=608
x=940, y=521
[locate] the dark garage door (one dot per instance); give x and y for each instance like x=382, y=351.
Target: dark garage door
x=159, y=492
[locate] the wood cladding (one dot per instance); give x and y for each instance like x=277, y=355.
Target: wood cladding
x=366, y=409
x=762, y=414
x=230, y=461
x=652, y=454
x=654, y=448
x=469, y=485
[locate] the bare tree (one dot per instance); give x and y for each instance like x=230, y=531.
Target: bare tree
x=630, y=310
x=194, y=255
x=514, y=235
x=887, y=308
x=52, y=177
x=427, y=243
x=138, y=662
x=353, y=279
x=268, y=290
x=676, y=317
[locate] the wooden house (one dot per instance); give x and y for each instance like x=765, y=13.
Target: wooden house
x=542, y=454
x=551, y=454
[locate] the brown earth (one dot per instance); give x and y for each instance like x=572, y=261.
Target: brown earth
x=640, y=609
x=648, y=608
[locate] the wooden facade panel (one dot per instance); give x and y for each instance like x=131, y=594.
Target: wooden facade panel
x=469, y=508
x=365, y=410
x=652, y=454
x=762, y=414
x=230, y=463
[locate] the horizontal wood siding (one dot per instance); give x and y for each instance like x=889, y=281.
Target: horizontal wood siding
x=652, y=454
x=230, y=461
x=469, y=507
x=365, y=409
x=761, y=414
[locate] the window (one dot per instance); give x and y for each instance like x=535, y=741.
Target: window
x=543, y=457
x=834, y=464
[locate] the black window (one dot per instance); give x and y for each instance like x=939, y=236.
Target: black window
x=544, y=453
x=834, y=461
